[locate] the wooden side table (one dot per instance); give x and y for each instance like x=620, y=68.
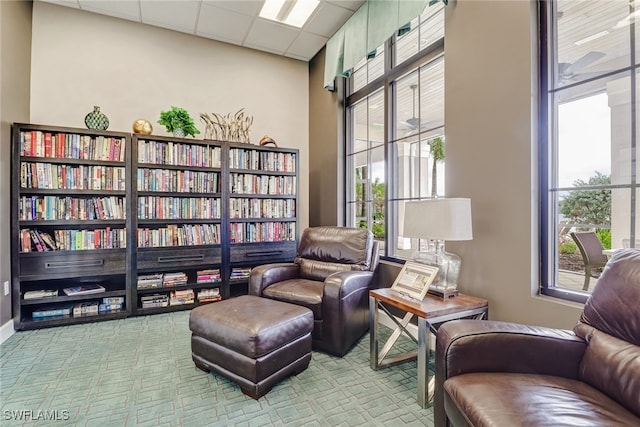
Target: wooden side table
x=430, y=311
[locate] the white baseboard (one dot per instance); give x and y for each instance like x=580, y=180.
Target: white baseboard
x=6, y=331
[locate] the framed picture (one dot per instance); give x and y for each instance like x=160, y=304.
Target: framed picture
x=414, y=279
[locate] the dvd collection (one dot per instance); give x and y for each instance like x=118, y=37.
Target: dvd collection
x=87, y=308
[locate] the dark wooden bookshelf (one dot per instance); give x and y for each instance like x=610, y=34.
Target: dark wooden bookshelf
x=118, y=268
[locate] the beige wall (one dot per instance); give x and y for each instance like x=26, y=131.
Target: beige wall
x=491, y=131
x=135, y=71
x=326, y=194
x=15, y=41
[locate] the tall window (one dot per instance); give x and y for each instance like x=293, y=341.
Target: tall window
x=395, y=130
x=590, y=107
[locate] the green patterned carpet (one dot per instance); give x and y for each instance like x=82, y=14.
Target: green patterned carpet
x=138, y=372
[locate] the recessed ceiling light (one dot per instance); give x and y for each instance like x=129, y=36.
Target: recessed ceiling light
x=290, y=12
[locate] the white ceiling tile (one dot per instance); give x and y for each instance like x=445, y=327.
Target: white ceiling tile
x=246, y=7
x=120, y=9
x=268, y=34
x=352, y=5
x=68, y=3
x=298, y=57
x=176, y=15
x=231, y=21
x=327, y=20
x=223, y=24
x=306, y=45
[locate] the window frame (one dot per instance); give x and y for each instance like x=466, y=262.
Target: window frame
x=547, y=123
x=391, y=73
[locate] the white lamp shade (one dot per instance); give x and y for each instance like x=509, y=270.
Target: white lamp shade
x=438, y=219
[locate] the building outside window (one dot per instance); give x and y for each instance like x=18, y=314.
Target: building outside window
x=395, y=131
x=589, y=136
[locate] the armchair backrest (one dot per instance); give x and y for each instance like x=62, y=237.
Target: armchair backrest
x=329, y=249
x=610, y=324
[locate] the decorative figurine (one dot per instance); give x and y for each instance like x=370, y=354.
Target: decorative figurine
x=143, y=127
x=227, y=128
x=267, y=140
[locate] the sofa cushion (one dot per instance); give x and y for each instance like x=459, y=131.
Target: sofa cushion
x=307, y=293
x=610, y=324
x=613, y=305
x=510, y=399
x=612, y=366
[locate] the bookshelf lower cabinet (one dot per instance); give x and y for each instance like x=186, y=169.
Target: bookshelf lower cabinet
x=59, y=288
x=107, y=224
x=177, y=278
x=71, y=264
x=150, y=259
x=263, y=253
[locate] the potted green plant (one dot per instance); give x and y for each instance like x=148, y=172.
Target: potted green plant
x=178, y=121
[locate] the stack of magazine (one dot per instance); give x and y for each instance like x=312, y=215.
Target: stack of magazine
x=84, y=289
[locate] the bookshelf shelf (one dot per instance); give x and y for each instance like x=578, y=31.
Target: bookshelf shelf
x=142, y=205
x=63, y=321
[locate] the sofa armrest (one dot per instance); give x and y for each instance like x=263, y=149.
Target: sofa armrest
x=268, y=274
x=464, y=346
x=490, y=346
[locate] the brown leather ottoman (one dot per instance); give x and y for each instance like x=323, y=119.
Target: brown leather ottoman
x=255, y=342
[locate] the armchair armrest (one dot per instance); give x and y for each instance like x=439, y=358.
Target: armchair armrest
x=345, y=310
x=268, y=274
x=341, y=284
x=464, y=346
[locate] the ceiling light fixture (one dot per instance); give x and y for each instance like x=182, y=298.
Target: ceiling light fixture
x=591, y=37
x=290, y=12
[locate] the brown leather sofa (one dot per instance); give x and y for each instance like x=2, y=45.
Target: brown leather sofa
x=492, y=373
x=330, y=275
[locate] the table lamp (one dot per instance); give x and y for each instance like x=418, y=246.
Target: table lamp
x=438, y=220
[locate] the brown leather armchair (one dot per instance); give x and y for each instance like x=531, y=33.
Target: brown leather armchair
x=492, y=373
x=330, y=275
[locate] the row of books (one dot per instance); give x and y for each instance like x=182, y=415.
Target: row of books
x=71, y=177
x=147, y=281
x=150, y=207
x=253, y=232
x=240, y=273
x=180, y=297
x=177, y=181
x=174, y=279
x=174, y=235
x=211, y=275
x=87, y=308
x=158, y=280
x=173, y=153
x=240, y=158
x=71, y=146
x=32, y=240
x=55, y=207
x=240, y=183
x=262, y=208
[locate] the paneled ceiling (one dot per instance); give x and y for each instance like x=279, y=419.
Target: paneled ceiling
x=231, y=21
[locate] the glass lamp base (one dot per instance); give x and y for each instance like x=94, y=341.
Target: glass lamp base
x=448, y=269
